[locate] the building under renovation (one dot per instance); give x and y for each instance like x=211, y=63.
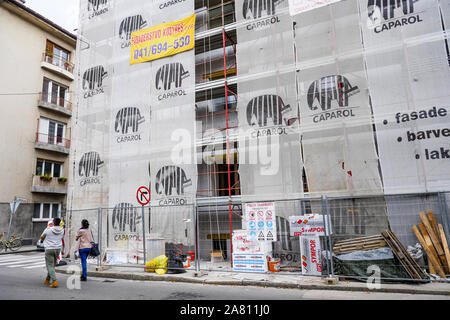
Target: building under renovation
x=337, y=111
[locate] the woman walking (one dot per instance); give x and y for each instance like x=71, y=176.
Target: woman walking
x=84, y=238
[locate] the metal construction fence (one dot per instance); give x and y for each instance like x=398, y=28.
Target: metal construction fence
x=327, y=236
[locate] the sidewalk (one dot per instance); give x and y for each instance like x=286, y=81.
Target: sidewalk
x=23, y=249
x=279, y=280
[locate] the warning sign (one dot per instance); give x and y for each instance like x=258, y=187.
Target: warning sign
x=264, y=225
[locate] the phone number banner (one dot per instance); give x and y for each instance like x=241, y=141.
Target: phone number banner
x=163, y=40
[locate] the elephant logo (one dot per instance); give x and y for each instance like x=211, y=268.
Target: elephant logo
x=95, y=4
x=330, y=88
x=385, y=8
x=128, y=119
x=254, y=9
x=130, y=25
x=125, y=215
x=93, y=78
x=89, y=164
x=171, y=73
x=267, y=110
x=169, y=178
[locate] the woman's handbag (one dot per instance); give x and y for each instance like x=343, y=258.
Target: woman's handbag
x=95, y=252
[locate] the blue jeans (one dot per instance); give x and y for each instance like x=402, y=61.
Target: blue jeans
x=84, y=253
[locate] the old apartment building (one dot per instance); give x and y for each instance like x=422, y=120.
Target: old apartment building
x=36, y=85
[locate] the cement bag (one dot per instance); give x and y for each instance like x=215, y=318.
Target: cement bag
x=158, y=265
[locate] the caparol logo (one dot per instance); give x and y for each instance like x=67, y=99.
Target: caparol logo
x=128, y=26
x=257, y=9
x=323, y=92
x=171, y=74
x=169, y=3
x=93, y=81
x=88, y=167
x=387, y=14
x=127, y=124
x=98, y=7
x=125, y=219
x=171, y=181
x=268, y=114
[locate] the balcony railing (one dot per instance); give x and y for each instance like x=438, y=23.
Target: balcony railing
x=58, y=61
x=52, y=99
x=52, y=185
x=52, y=140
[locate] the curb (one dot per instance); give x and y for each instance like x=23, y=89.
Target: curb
x=271, y=284
x=14, y=252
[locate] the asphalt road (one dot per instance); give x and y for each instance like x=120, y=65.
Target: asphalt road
x=22, y=279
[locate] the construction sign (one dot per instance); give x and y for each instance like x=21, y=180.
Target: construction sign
x=163, y=40
x=261, y=222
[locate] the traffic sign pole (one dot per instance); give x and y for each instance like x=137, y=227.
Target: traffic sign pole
x=143, y=197
x=143, y=234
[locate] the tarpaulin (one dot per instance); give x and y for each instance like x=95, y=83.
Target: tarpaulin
x=270, y=164
x=337, y=134
x=408, y=73
x=173, y=171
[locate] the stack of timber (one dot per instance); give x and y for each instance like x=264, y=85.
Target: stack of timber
x=410, y=265
x=359, y=244
x=433, y=240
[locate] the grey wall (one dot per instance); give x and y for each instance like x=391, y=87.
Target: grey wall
x=22, y=221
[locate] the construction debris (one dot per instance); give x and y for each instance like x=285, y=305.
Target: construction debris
x=433, y=240
x=403, y=256
x=359, y=244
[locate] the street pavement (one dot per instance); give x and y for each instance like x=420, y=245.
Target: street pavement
x=22, y=275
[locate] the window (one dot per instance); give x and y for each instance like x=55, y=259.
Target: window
x=55, y=93
x=45, y=167
x=57, y=56
x=46, y=211
x=51, y=131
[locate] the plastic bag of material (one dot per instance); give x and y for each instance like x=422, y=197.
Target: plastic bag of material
x=158, y=265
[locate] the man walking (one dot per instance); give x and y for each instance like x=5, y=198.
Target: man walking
x=52, y=238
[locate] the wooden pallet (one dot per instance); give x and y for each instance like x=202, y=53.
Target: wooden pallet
x=358, y=244
x=403, y=256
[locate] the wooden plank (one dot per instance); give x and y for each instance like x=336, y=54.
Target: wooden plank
x=361, y=244
x=433, y=224
x=427, y=251
x=400, y=256
x=427, y=238
x=433, y=236
x=357, y=249
x=411, y=261
x=358, y=240
x=428, y=241
x=444, y=244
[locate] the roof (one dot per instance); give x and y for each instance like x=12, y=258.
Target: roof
x=41, y=17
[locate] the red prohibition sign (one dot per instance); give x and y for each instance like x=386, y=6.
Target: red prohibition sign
x=143, y=195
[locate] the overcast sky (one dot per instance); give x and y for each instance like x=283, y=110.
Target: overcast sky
x=62, y=12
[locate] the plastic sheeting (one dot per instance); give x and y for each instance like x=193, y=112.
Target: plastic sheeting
x=337, y=135
x=270, y=164
x=407, y=67
x=173, y=169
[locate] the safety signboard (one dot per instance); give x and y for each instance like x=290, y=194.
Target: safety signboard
x=260, y=221
x=143, y=195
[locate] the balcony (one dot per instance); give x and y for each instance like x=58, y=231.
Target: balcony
x=52, y=185
x=54, y=103
x=52, y=143
x=57, y=65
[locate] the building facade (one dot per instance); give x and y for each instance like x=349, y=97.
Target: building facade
x=269, y=106
x=36, y=92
